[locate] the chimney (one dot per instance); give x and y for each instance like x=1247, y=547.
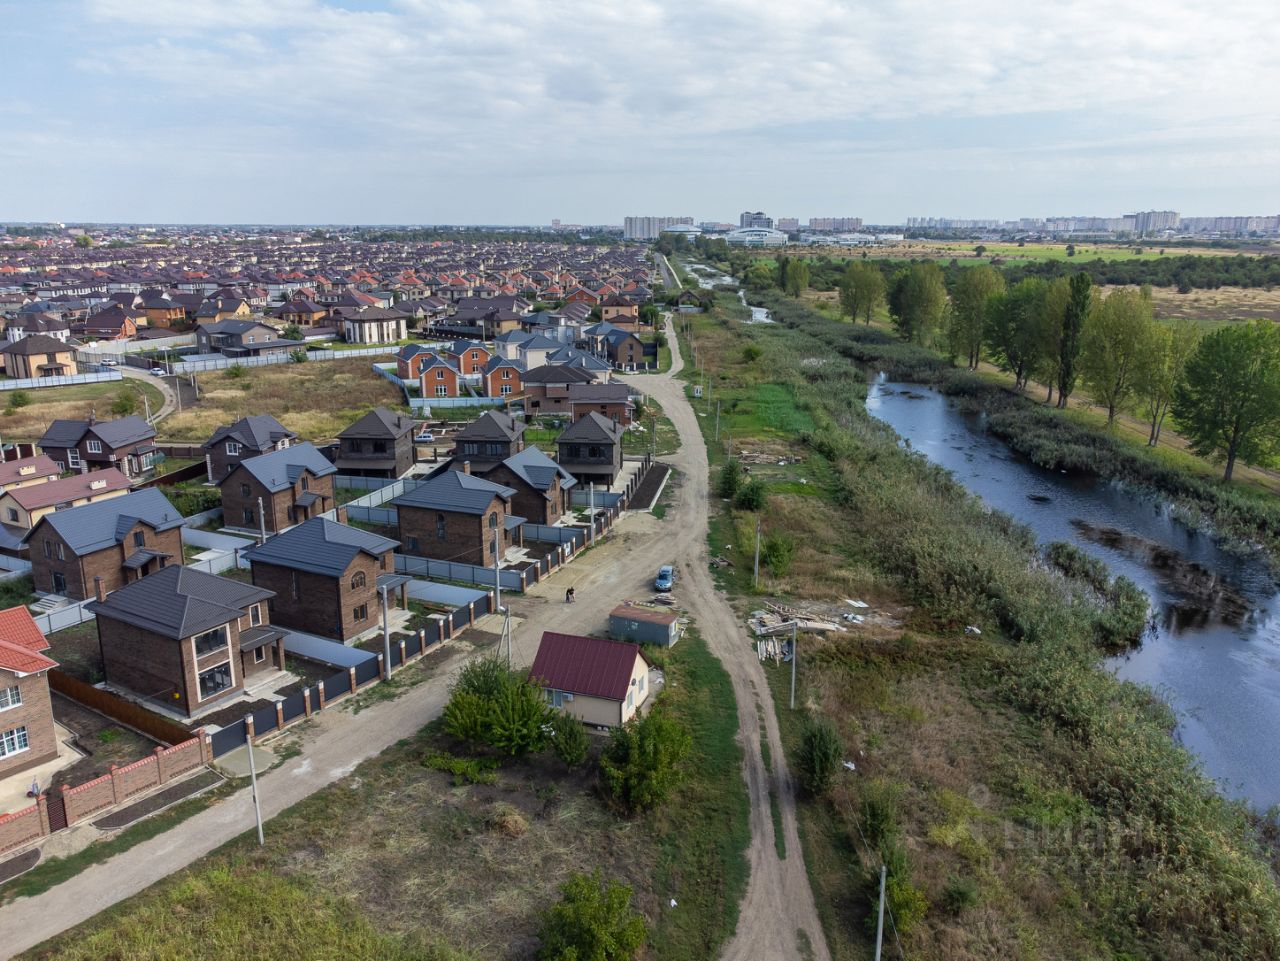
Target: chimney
x=98, y=590
x=466, y=467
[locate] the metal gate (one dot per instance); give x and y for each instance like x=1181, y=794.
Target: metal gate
x=227, y=739
x=57, y=808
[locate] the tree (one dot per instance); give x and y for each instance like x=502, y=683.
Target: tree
x=1228, y=404
x=1057, y=300
x=84, y=240
x=751, y=496
x=918, y=300
x=569, y=739
x=645, y=759
x=124, y=404
x=291, y=332
x=820, y=755
x=1160, y=371
x=592, y=921
x=861, y=291
x=730, y=479
x=1072, y=325
x=796, y=281
x=492, y=705
x=1116, y=334
x=974, y=289
x=980, y=250
x=1015, y=328
x=758, y=276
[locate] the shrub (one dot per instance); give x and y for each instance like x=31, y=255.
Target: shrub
x=959, y=894
x=298, y=356
x=778, y=551
x=124, y=404
x=819, y=755
x=644, y=760
x=503, y=709
x=1126, y=617
x=752, y=352
x=593, y=921
x=1075, y=563
x=751, y=496
x=730, y=479
x=19, y=399
x=881, y=816
x=465, y=770
x=569, y=739
x=237, y=372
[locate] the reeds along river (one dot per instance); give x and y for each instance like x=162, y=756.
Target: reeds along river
x=1214, y=651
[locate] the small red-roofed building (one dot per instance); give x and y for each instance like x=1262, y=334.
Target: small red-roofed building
x=27, y=736
x=600, y=682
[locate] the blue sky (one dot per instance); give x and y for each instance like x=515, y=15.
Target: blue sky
x=518, y=111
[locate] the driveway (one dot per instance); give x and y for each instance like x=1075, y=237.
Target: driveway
x=170, y=396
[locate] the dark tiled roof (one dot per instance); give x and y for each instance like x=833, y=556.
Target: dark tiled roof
x=591, y=666
x=119, y=433
x=558, y=374
x=257, y=432
x=538, y=470
x=380, y=423
x=91, y=527
x=492, y=425
x=320, y=546
x=179, y=602
x=454, y=491
x=592, y=427
x=37, y=344
x=282, y=468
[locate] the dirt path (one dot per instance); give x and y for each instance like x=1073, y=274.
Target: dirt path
x=621, y=566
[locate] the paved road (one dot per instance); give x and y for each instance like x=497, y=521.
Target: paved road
x=668, y=275
x=621, y=566
x=170, y=397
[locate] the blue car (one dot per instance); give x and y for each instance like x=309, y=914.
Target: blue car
x=665, y=579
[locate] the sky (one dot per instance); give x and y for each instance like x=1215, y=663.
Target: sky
x=520, y=111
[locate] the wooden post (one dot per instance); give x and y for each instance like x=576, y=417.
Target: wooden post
x=351, y=675
x=320, y=695
x=279, y=715
x=384, y=670
x=306, y=702
x=403, y=656
x=115, y=789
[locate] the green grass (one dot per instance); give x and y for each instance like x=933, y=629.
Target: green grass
x=17, y=590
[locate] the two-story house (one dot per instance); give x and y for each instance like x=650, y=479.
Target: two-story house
x=127, y=444
x=303, y=312
x=22, y=507
x=458, y=517
x=27, y=734
x=379, y=444
x=27, y=472
x=162, y=310
x=468, y=356
x=116, y=322
x=503, y=378
x=187, y=639
x=275, y=491
x=38, y=356
x=591, y=450
x=327, y=578
x=438, y=377
x=372, y=325
x=489, y=439
x=248, y=437
x=243, y=338
x=541, y=485
x=546, y=388
x=612, y=401
x=114, y=542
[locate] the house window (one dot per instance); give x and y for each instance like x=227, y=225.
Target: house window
x=73, y=458
x=14, y=741
x=288, y=513
x=440, y=526
x=10, y=697
x=358, y=580
x=61, y=552
x=353, y=446
x=382, y=562
x=215, y=680
x=593, y=451
x=494, y=450
x=506, y=389
x=506, y=374
x=295, y=585
x=244, y=490
x=413, y=545
x=94, y=446
x=641, y=683
x=255, y=615
x=493, y=520
x=379, y=446
x=439, y=375
x=631, y=699
x=555, y=698
x=139, y=539
x=248, y=517
x=211, y=641
x=233, y=449
x=575, y=451
x=306, y=483
x=442, y=390
x=13, y=515
x=59, y=582
x=260, y=655
x=48, y=549
x=360, y=613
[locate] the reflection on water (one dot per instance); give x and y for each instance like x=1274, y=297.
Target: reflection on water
x=1215, y=653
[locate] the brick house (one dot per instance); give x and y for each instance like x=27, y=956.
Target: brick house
x=327, y=578
x=503, y=378
x=591, y=450
x=546, y=388
x=116, y=322
x=489, y=439
x=437, y=377
x=278, y=490
x=409, y=360
x=468, y=356
x=163, y=311
x=379, y=444
x=455, y=516
x=37, y=356
x=127, y=444
x=27, y=735
x=118, y=540
x=303, y=312
x=611, y=401
x=248, y=437
x=187, y=639
x=623, y=348
x=243, y=338
x=621, y=311
x=541, y=485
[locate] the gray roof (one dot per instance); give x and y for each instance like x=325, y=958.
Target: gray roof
x=235, y=327
x=320, y=546
x=538, y=470
x=179, y=602
x=92, y=527
x=592, y=427
x=454, y=491
x=492, y=425
x=613, y=393
x=558, y=374
x=497, y=363
x=126, y=430
x=37, y=344
x=258, y=432
x=282, y=468
x=380, y=422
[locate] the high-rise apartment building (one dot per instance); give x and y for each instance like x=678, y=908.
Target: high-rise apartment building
x=788, y=223
x=1153, y=221
x=836, y=224
x=757, y=219
x=649, y=228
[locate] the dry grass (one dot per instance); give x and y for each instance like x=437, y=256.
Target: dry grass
x=316, y=399
x=74, y=403
x=1225, y=303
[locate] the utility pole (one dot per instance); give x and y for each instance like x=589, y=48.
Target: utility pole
x=755, y=577
x=880, y=922
x=653, y=434
x=497, y=574
x=253, y=775
x=795, y=656
x=386, y=634
x=591, y=510
x=717, y=422
x=262, y=523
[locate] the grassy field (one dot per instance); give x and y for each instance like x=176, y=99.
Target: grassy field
x=1029, y=805
x=1215, y=306
x=317, y=400
x=52, y=403
x=397, y=856
x=1019, y=253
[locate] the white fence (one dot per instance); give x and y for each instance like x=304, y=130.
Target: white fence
x=119, y=347
x=212, y=541
x=219, y=561
x=426, y=403
x=63, y=618
x=30, y=383
x=222, y=363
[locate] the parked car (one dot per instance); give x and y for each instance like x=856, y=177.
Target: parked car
x=159, y=372
x=109, y=362
x=425, y=437
x=666, y=578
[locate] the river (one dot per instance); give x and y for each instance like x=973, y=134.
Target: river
x=1214, y=653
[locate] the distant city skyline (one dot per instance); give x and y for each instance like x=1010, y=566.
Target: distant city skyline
x=405, y=111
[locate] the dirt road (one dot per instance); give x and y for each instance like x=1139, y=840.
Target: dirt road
x=621, y=566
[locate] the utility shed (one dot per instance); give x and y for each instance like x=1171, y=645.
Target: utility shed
x=644, y=624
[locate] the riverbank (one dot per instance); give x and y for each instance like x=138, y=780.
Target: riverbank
x=1246, y=520
x=1028, y=802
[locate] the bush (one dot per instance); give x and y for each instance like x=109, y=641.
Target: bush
x=465, y=770
x=644, y=760
x=819, y=756
x=881, y=816
x=237, y=372
x=730, y=479
x=298, y=356
x=959, y=894
x=751, y=496
x=593, y=921
x=752, y=352
x=124, y=404
x=569, y=739
x=503, y=709
x=777, y=552
x=19, y=399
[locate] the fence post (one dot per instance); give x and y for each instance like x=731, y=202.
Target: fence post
x=67, y=808
x=306, y=701
x=42, y=807
x=384, y=670
x=248, y=728
x=279, y=715
x=160, y=778
x=422, y=640
x=320, y=695
x=351, y=675
x=403, y=656
x=206, y=746
x=115, y=786
x=440, y=631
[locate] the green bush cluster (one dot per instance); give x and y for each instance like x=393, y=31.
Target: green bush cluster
x=495, y=706
x=645, y=760
x=592, y=921
x=465, y=770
